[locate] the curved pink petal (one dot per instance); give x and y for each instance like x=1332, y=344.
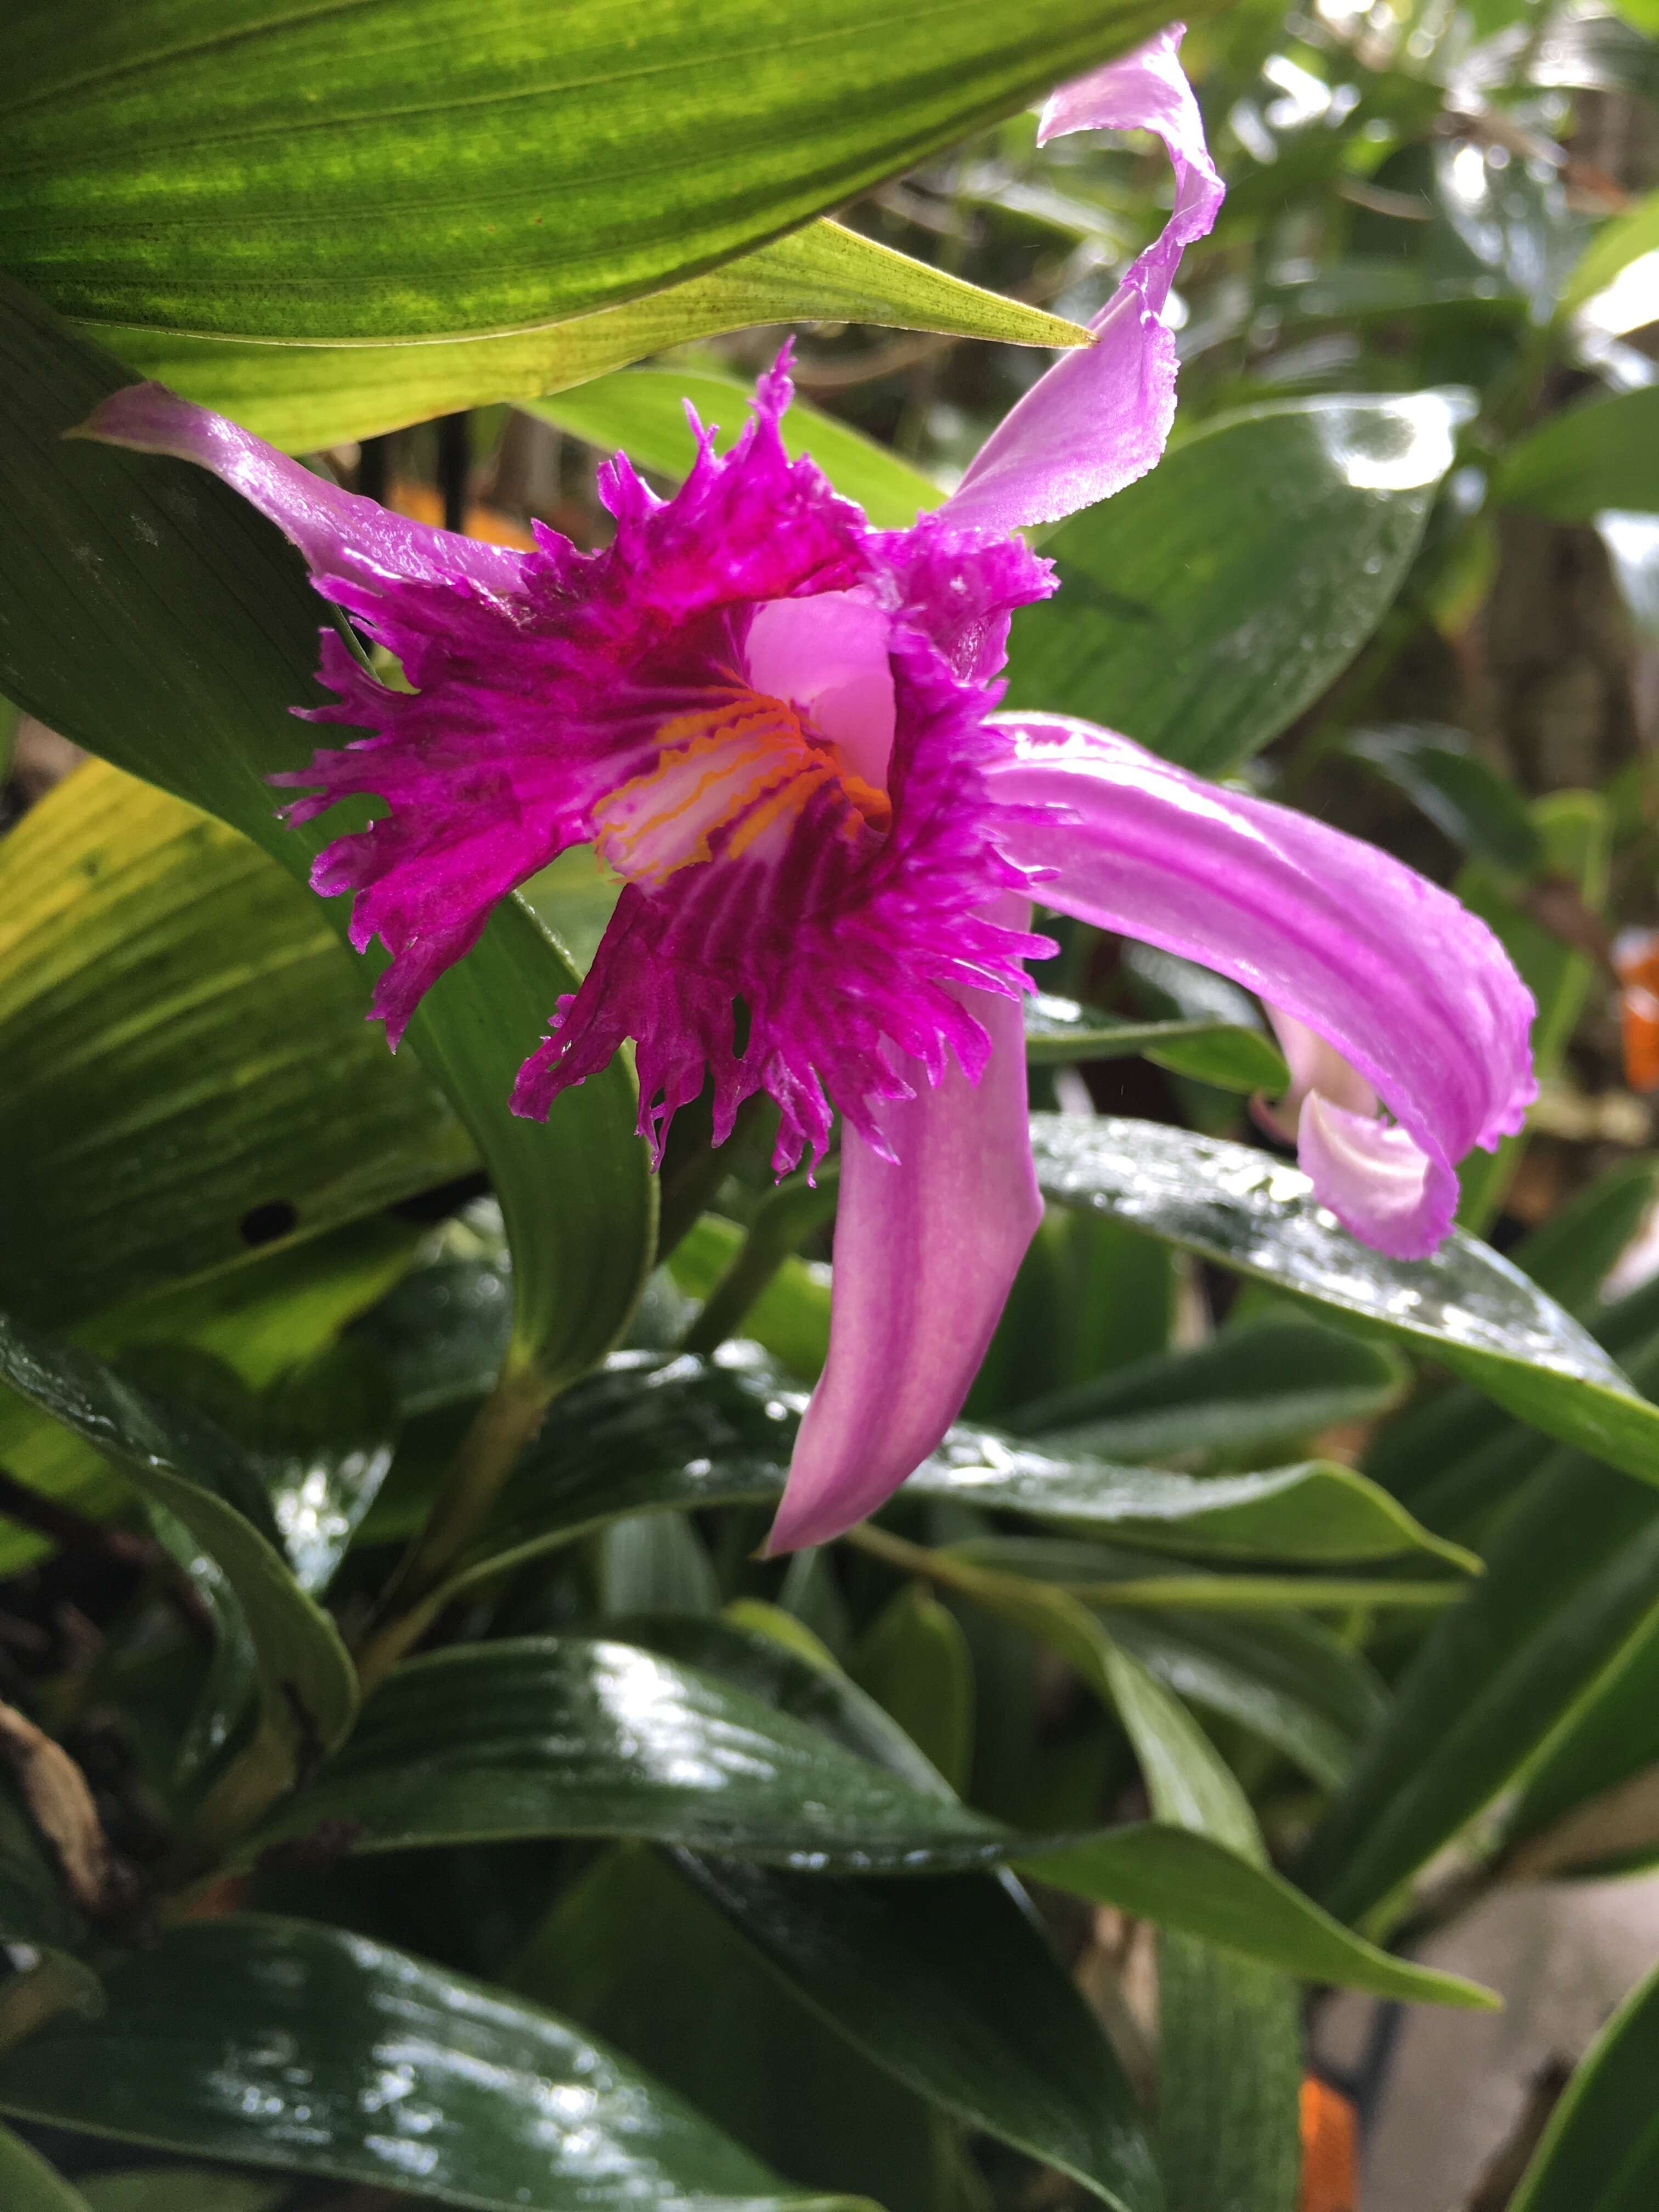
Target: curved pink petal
x=1413, y=990
x=1373, y=1176
x=1100, y=417
x=927, y=1246
x=326, y=523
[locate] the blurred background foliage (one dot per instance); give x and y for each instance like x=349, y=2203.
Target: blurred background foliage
x=1276, y=1603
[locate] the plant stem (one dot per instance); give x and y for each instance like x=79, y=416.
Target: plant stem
x=782, y=1224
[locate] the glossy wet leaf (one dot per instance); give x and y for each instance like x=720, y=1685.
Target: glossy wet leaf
x=1466, y=1307
x=185, y=1465
x=333, y=174
x=950, y=1984
x=1203, y=608
x=576, y=1736
x=641, y=412
x=192, y=1075
x=635, y=1954
x=1601, y=453
x=304, y=398
x=1251, y=1388
x=1163, y=1872
x=280, y=2043
x=657, y=1433
x=442, y=1332
x=28, y=2183
x=1600, y=2152
x=147, y=612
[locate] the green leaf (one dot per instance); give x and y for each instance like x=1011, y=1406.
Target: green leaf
x=1569, y=1583
x=1600, y=2152
x=1571, y=1251
x=641, y=412
x=181, y=2189
x=1601, y=453
x=193, y=1078
x=177, y=1460
x=1203, y=608
x=1161, y=1872
x=1466, y=1307
x=1575, y=833
x=1232, y=2070
x=673, y=1434
x=753, y=1283
x=635, y=1953
x=1628, y=235
x=304, y=398
x=1588, y=1803
x=1476, y=807
x=1253, y=1388
x=1288, y=1680
x=1060, y=1032
x=914, y=1661
x=950, y=1986
x=148, y=613
x=28, y=2184
x=413, y=171
x=280, y=2043
x=572, y=1736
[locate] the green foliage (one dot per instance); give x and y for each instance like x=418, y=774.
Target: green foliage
x=412, y=1776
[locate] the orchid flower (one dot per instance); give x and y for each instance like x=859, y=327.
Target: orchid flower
x=776, y=725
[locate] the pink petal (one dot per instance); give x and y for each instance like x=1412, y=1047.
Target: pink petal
x=1411, y=988
x=1101, y=416
x=927, y=1246
x=317, y=516
x=830, y=656
x=1372, y=1176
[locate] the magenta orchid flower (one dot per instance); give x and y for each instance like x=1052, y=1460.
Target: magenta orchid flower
x=776, y=724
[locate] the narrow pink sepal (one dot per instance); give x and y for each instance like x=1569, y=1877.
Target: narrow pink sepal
x=1100, y=417
x=1413, y=991
x=330, y=527
x=926, y=1246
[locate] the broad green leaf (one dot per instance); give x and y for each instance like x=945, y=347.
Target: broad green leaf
x=416, y=169
x=1627, y=238
x=952, y=1986
x=182, y=1463
x=1151, y=1868
x=1568, y=1585
x=148, y=613
x=914, y=1661
x=28, y=2183
x=574, y=1736
x=1203, y=608
x=1289, y=1680
x=632, y=1951
x=193, y=1076
x=641, y=412
x=655, y=1562
x=260, y=1317
x=1478, y=808
x=1575, y=835
x=1600, y=2152
x=304, y=398
x=311, y=397
x=1601, y=453
x=1254, y=1387
x=441, y=1333
x=181, y=2189
x=1466, y=1306
x=280, y=2043
x=1231, y=2071
x=676, y=1434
